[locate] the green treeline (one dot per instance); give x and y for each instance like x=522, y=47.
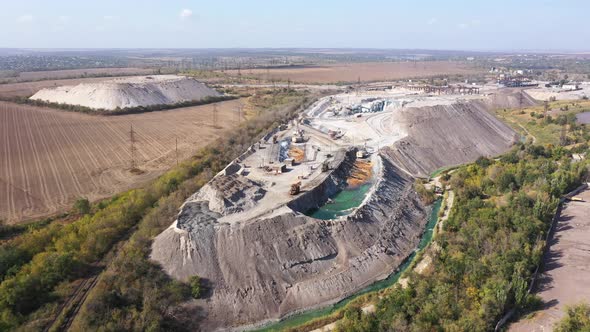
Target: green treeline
x=577, y=318
x=38, y=266
x=489, y=249
x=121, y=111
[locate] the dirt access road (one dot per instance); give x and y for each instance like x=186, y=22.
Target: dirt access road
x=49, y=158
x=566, y=275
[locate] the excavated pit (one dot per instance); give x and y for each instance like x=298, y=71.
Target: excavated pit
x=265, y=268
x=264, y=258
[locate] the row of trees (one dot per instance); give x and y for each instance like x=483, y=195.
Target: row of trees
x=121, y=111
x=490, y=246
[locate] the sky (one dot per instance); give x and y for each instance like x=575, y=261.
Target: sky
x=479, y=25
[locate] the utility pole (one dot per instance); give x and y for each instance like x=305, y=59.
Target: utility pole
x=132, y=148
x=358, y=86
x=520, y=99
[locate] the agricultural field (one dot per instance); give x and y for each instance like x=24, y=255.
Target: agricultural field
x=29, y=76
x=370, y=71
x=50, y=158
x=27, y=89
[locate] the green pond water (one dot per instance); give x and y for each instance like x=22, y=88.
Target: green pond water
x=342, y=203
x=304, y=317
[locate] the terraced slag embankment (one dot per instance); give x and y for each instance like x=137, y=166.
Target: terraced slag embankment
x=447, y=135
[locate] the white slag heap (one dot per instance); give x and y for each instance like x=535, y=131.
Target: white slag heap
x=128, y=92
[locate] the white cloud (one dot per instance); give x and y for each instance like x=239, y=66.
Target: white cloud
x=432, y=21
x=109, y=18
x=186, y=14
x=25, y=18
x=472, y=24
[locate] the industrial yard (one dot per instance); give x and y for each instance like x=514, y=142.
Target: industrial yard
x=233, y=166
x=324, y=205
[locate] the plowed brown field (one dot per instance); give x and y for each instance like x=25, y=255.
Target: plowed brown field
x=370, y=71
x=49, y=158
x=27, y=89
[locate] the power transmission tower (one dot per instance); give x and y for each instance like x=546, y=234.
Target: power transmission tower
x=546, y=108
x=563, y=136
x=132, y=148
x=239, y=113
x=520, y=99
x=214, y=115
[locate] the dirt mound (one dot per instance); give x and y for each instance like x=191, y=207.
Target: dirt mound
x=273, y=260
x=454, y=134
x=509, y=98
x=128, y=92
x=265, y=268
x=230, y=194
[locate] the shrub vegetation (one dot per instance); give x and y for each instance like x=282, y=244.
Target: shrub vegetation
x=38, y=265
x=490, y=247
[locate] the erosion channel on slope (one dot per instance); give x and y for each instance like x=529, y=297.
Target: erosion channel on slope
x=307, y=316
x=325, y=206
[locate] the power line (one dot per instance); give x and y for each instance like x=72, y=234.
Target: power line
x=132, y=148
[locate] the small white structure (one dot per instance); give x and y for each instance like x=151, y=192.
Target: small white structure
x=570, y=87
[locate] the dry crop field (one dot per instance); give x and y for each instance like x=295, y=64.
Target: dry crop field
x=371, y=71
x=49, y=158
x=27, y=89
x=75, y=73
